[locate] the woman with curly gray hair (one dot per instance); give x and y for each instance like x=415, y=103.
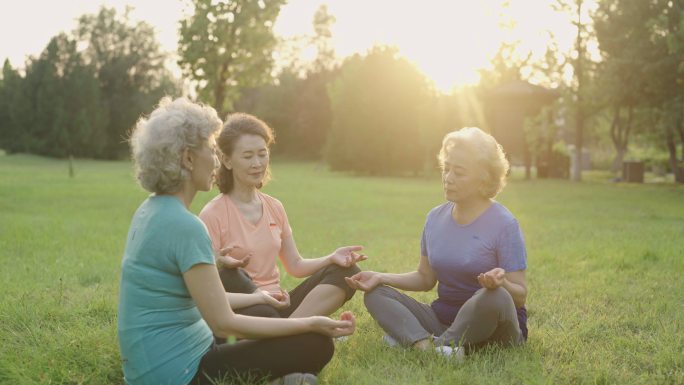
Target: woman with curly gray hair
x=171, y=301
x=472, y=248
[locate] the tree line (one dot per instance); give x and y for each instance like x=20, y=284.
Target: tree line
x=370, y=113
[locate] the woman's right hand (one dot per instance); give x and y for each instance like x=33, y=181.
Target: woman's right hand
x=364, y=280
x=277, y=300
x=233, y=257
x=333, y=328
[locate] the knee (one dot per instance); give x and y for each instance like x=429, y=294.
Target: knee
x=236, y=280
x=376, y=296
x=337, y=270
x=493, y=298
x=323, y=349
x=335, y=274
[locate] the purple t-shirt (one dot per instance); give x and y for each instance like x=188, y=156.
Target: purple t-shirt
x=458, y=253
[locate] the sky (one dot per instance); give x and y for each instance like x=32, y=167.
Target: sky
x=448, y=40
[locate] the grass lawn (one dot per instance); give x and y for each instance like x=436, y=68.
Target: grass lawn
x=606, y=263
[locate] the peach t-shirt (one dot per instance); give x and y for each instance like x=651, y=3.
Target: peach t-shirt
x=228, y=227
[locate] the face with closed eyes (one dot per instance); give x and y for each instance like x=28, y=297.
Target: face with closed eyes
x=249, y=161
x=461, y=176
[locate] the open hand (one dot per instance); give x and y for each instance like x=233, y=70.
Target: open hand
x=492, y=279
x=233, y=257
x=347, y=256
x=364, y=280
x=334, y=328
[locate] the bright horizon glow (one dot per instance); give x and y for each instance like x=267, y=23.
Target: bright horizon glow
x=449, y=41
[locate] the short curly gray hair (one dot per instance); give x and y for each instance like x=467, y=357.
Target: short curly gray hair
x=487, y=153
x=157, y=142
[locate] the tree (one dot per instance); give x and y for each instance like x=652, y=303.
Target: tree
x=667, y=35
x=130, y=68
x=9, y=86
x=379, y=102
x=582, y=72
x=298, y=106
x=226, y=46
x=623, y=34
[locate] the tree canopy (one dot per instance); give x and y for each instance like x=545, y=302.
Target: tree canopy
x=226, y=46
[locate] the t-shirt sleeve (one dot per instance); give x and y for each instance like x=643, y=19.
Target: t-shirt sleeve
x=213, y=224
x=511, y=248
x=423, y=238
x=286, y=230
x=193, y=247
x=423, y=245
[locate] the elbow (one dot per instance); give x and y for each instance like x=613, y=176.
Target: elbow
x=519, y=303
x=295, y=271
x=225, y=328
x=429, y=285
x=520, y=300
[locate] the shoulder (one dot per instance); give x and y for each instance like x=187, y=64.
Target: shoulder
x=214, y=208
x=500, y=214
x=174, y=219
x=440, y=211
x=188, y=223
x=272, y=202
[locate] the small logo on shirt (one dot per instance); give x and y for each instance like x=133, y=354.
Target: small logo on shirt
x=476, y=237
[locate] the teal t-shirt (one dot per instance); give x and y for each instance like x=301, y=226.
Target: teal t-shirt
x=162, y=335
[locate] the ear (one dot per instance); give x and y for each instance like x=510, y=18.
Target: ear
x=187, y=159
x=225, y=161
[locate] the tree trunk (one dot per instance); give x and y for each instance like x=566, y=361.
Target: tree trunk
x=219, y=98
x=579, y=133
x=677, y=170
x=619, y=133
x=619, y=158
x=220, y=91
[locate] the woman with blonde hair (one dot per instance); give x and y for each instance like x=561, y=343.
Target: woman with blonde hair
x=472, y=248
x=171, y=300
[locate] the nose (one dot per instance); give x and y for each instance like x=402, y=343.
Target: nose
x=446, y=177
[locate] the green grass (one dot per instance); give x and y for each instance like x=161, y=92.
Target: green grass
x=605, y=273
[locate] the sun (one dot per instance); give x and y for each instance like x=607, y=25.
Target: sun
x=449, y=41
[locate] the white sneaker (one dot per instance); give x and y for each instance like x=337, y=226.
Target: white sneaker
x=457, y=353
x=296, y=379
x=389, y=341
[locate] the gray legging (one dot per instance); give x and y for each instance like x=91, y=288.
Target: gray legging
x=489, y=316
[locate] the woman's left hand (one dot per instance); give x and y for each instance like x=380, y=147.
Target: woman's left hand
x=347, y=256
x=492, y=279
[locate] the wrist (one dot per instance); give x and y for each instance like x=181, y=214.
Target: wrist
x=383, y=279
x=260, y=297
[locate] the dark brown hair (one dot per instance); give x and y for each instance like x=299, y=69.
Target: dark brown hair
x=237, y=125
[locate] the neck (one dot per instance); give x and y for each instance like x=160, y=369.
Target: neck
x=465, y=211
x=241, y=193
x=186, y=195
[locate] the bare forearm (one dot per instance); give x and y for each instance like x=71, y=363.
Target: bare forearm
x=413, y=281
x=240, y=300
x=517, y=291
x=306, y=267
x=241, y=326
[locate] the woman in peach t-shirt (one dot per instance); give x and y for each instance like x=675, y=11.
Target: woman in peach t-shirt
x=250, y=229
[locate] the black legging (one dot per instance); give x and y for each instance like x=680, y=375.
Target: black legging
x=238, y=281
x=258, y=360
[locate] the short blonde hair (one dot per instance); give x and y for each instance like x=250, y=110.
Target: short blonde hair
x=487, y=153
x=157, y=142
